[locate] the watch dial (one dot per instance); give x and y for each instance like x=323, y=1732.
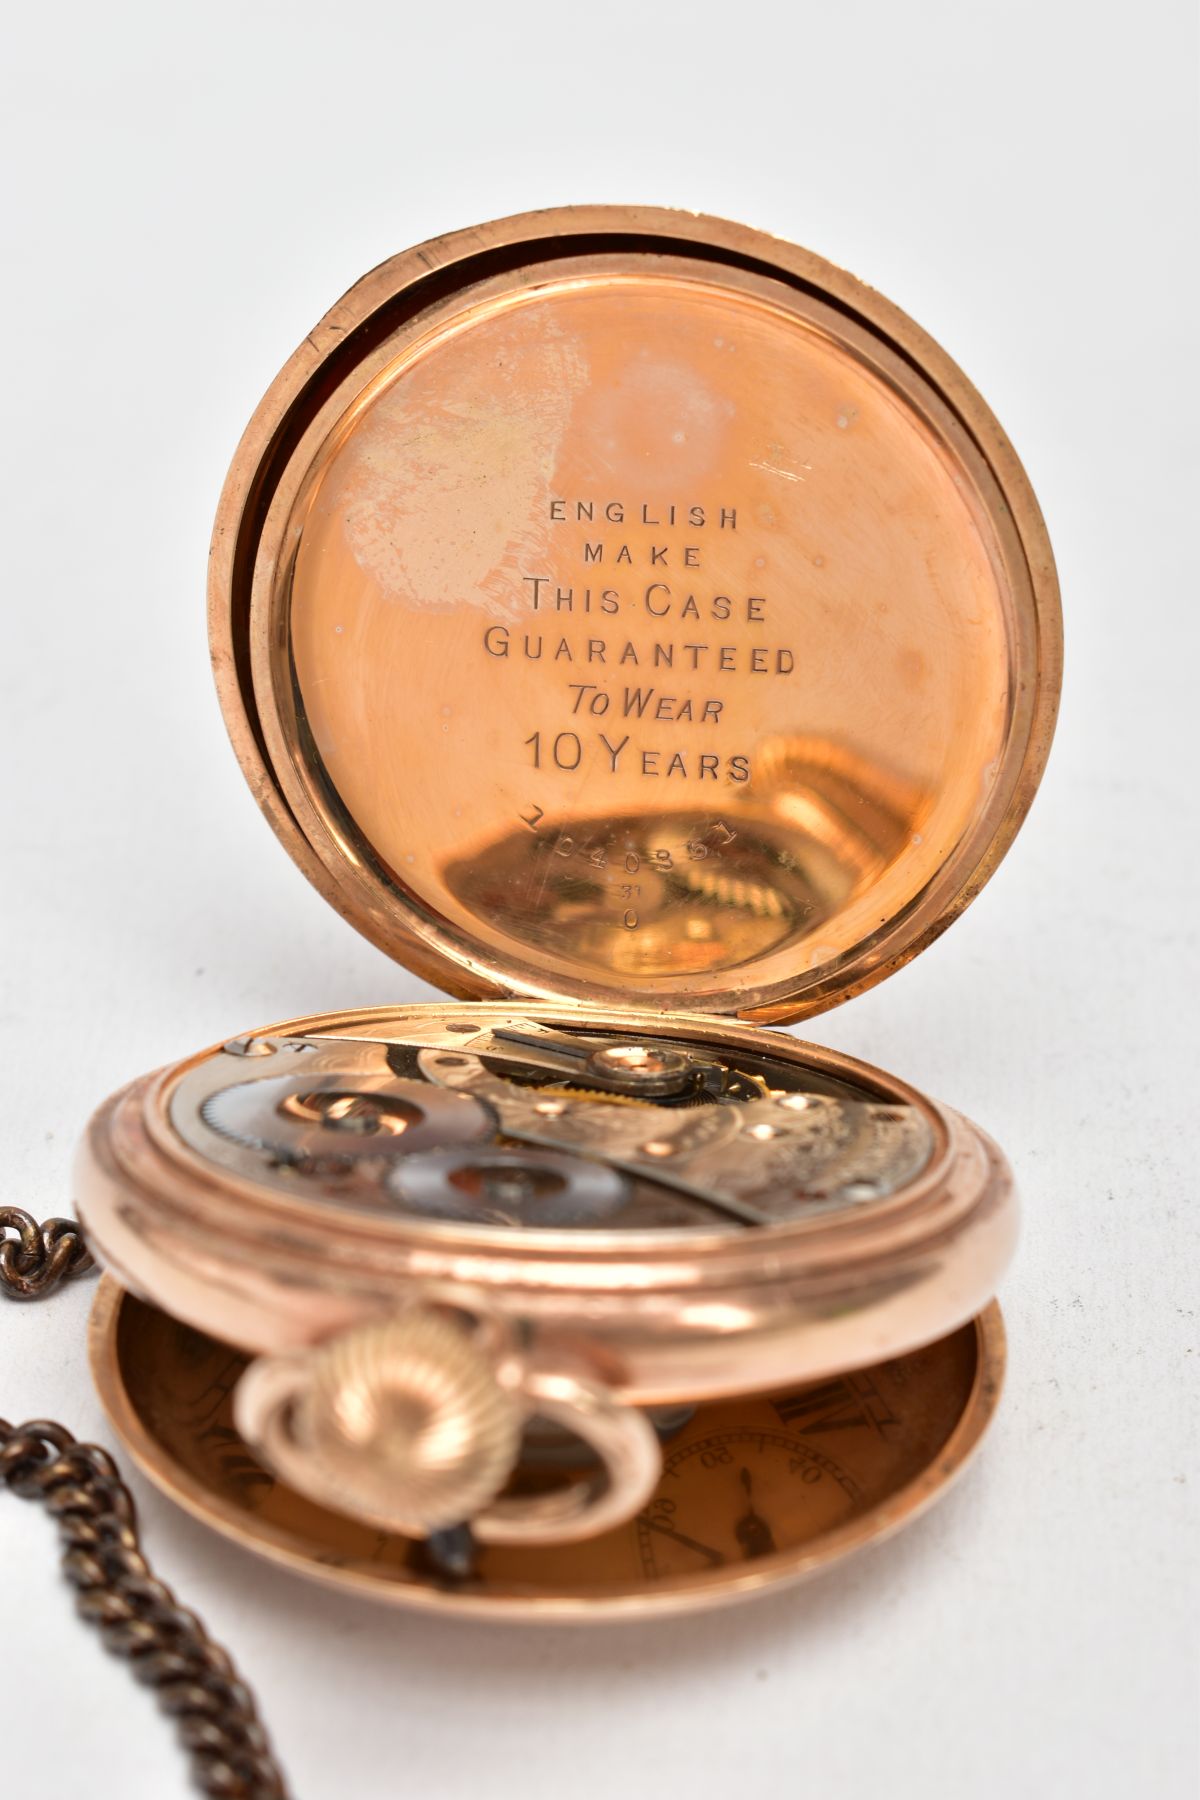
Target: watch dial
x=518, y=1122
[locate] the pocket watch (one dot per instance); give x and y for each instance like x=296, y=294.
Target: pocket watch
x=640, y=629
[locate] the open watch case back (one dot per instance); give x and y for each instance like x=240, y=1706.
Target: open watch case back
x=638, y=627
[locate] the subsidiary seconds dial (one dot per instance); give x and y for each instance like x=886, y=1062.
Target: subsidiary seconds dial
x=733, y=1496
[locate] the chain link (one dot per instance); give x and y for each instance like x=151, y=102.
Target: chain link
x=137, y=1615
x=35, y=1258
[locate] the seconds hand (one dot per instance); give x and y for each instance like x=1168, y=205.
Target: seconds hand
x=753, y=1533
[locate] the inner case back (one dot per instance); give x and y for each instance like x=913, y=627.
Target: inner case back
x=640, y=621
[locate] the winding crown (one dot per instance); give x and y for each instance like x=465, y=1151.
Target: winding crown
x=406, y=1422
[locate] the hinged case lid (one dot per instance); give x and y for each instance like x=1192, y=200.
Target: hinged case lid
x=624, y=606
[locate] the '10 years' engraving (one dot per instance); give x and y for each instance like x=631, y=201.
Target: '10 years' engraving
x=616, y=682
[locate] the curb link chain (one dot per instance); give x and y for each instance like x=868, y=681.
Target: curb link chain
x=137, y=1615
x=39, y=1257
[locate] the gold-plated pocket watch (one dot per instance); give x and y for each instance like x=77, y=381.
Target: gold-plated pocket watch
x=641, y=629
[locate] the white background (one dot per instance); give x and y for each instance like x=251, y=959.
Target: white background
x=188, y=188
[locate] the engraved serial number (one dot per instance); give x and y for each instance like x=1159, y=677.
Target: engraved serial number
x=615, y=864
